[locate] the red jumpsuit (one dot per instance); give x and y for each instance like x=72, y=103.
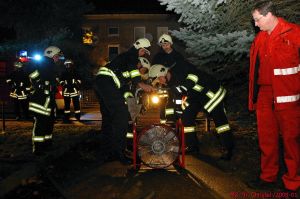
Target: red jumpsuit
x=274, y=91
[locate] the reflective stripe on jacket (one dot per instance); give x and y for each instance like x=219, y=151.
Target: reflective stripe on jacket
x=284, y=52
x=107, y=72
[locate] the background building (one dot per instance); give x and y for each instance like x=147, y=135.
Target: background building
x=112, y=34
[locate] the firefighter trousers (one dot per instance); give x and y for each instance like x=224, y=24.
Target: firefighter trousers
x=269, y=123
x=114, y=112
x=76, y=104
x=170, y=109
x=42, y=132
x=21, y=104
x=189, y=116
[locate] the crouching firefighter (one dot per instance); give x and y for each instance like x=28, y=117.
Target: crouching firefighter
x=42, y=100
x=203, y=93
x=111, y=86
x=70, y=82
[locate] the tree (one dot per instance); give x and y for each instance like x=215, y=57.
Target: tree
x=220, y=31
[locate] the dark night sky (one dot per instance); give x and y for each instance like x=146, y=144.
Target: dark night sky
x=127, y=6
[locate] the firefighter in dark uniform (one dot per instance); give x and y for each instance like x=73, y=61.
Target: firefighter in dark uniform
x=70, y=82
x=173, y=60
x=144, y=66
x=204, y=93
x=111, y=86
x=42, y=101
x=20, y=87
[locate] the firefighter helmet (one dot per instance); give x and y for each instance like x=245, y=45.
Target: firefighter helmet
x=157, y=70
x=68, y=61
x=164, y=39
x=18, y=64
x=51, y=51
x=145, y=62
x=142, y=43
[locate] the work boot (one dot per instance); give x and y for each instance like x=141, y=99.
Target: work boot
x=48, y=144
x=190, y=150
x=38, y=149
x=261, y=184
x=66, y=121
x=226, y=154
x=291, y=194
x=77, y=116
x=124, y=160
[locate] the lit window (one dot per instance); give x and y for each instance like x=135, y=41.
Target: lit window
x=87, y=37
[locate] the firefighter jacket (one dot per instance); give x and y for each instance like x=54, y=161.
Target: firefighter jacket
x=175, y=62
x=19, y=83
x=282, y=55
x=123, y=70
x=70, y=82
x=201, y=87
x=43, y=77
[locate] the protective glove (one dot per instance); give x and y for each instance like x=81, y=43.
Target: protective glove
x=147, y=88
x=227, y=141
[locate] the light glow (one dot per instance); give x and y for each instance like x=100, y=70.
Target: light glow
x=37, y=57
x=155, y=99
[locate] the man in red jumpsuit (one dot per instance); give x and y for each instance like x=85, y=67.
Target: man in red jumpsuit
x=274, y=92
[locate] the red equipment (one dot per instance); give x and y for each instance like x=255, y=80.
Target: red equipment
x=159, y=146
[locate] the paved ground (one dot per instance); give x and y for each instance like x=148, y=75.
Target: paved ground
x=200, y=180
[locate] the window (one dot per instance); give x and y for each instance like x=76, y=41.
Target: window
x=139, y=32
x=113, y=51
x=162, y=30
x=87, y=36
x=113, y=31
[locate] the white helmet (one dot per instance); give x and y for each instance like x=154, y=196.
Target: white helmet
x=157, y=70
x=164, y=39
x=68, y=61
x=145, y=62
x=51, y=51
x=142, y=43
x=18, y=64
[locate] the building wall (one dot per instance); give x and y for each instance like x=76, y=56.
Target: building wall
x=99, y=24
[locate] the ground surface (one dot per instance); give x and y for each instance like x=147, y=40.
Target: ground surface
x=82, y=170
x=72, y=167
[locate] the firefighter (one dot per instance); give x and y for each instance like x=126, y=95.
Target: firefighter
x=70, y=82
x=20, y=87
x=42, y=100
x=274, y=93
x=203, y=93
x=173, y=60
x=111, y=87
x=144, y=66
